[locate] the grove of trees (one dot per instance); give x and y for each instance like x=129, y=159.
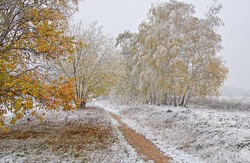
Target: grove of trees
x=47, y=63
x=173, y=57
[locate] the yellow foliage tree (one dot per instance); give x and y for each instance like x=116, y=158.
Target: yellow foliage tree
x=93, y=66
x=32, y=32
x=173, y=57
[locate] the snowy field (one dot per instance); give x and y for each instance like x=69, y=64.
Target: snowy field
x=81, y=136
x=226, y=103
x=186, y=135
x=191, y=135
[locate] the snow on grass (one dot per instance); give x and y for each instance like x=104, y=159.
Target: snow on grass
x=80, y=136
x=120, y=151
x=194, y=135
x=226, y=103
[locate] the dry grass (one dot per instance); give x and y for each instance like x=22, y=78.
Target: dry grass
x=71, y=137
x=78, y=137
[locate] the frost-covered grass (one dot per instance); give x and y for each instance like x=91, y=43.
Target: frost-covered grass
x=191, y=135
x=81, y=136
x=227, y=103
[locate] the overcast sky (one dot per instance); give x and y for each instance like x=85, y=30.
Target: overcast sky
x=118, y=15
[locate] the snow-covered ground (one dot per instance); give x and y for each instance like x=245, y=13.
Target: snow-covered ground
x=34, y=147
x=191, y=135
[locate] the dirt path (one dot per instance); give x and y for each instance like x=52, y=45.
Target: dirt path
x=146, y=149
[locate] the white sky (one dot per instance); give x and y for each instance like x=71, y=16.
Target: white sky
x=118, y=15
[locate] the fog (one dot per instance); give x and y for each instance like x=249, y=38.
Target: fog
x=118, y=15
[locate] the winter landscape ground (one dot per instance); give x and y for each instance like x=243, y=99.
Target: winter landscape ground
x=188, y=135
x=198, y=134
x=82, y=136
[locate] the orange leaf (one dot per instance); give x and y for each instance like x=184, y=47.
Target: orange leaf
x=41, y=118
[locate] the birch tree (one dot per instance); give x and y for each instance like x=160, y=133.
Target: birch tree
x=94, y=64
x=177, y=54
x=130, y=66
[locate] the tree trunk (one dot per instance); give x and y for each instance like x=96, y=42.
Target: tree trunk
x=182, y=100
x=187, y=98
x=175, y=101
x=154, y=98
x=83, y=105
x=151, y=98
x=171, y=100
x=184, y=96
x=165, y=102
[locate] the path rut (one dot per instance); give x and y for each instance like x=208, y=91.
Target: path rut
x=146, y=149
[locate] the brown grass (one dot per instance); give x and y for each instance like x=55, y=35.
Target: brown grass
x=71, y=137
x=79, y=137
